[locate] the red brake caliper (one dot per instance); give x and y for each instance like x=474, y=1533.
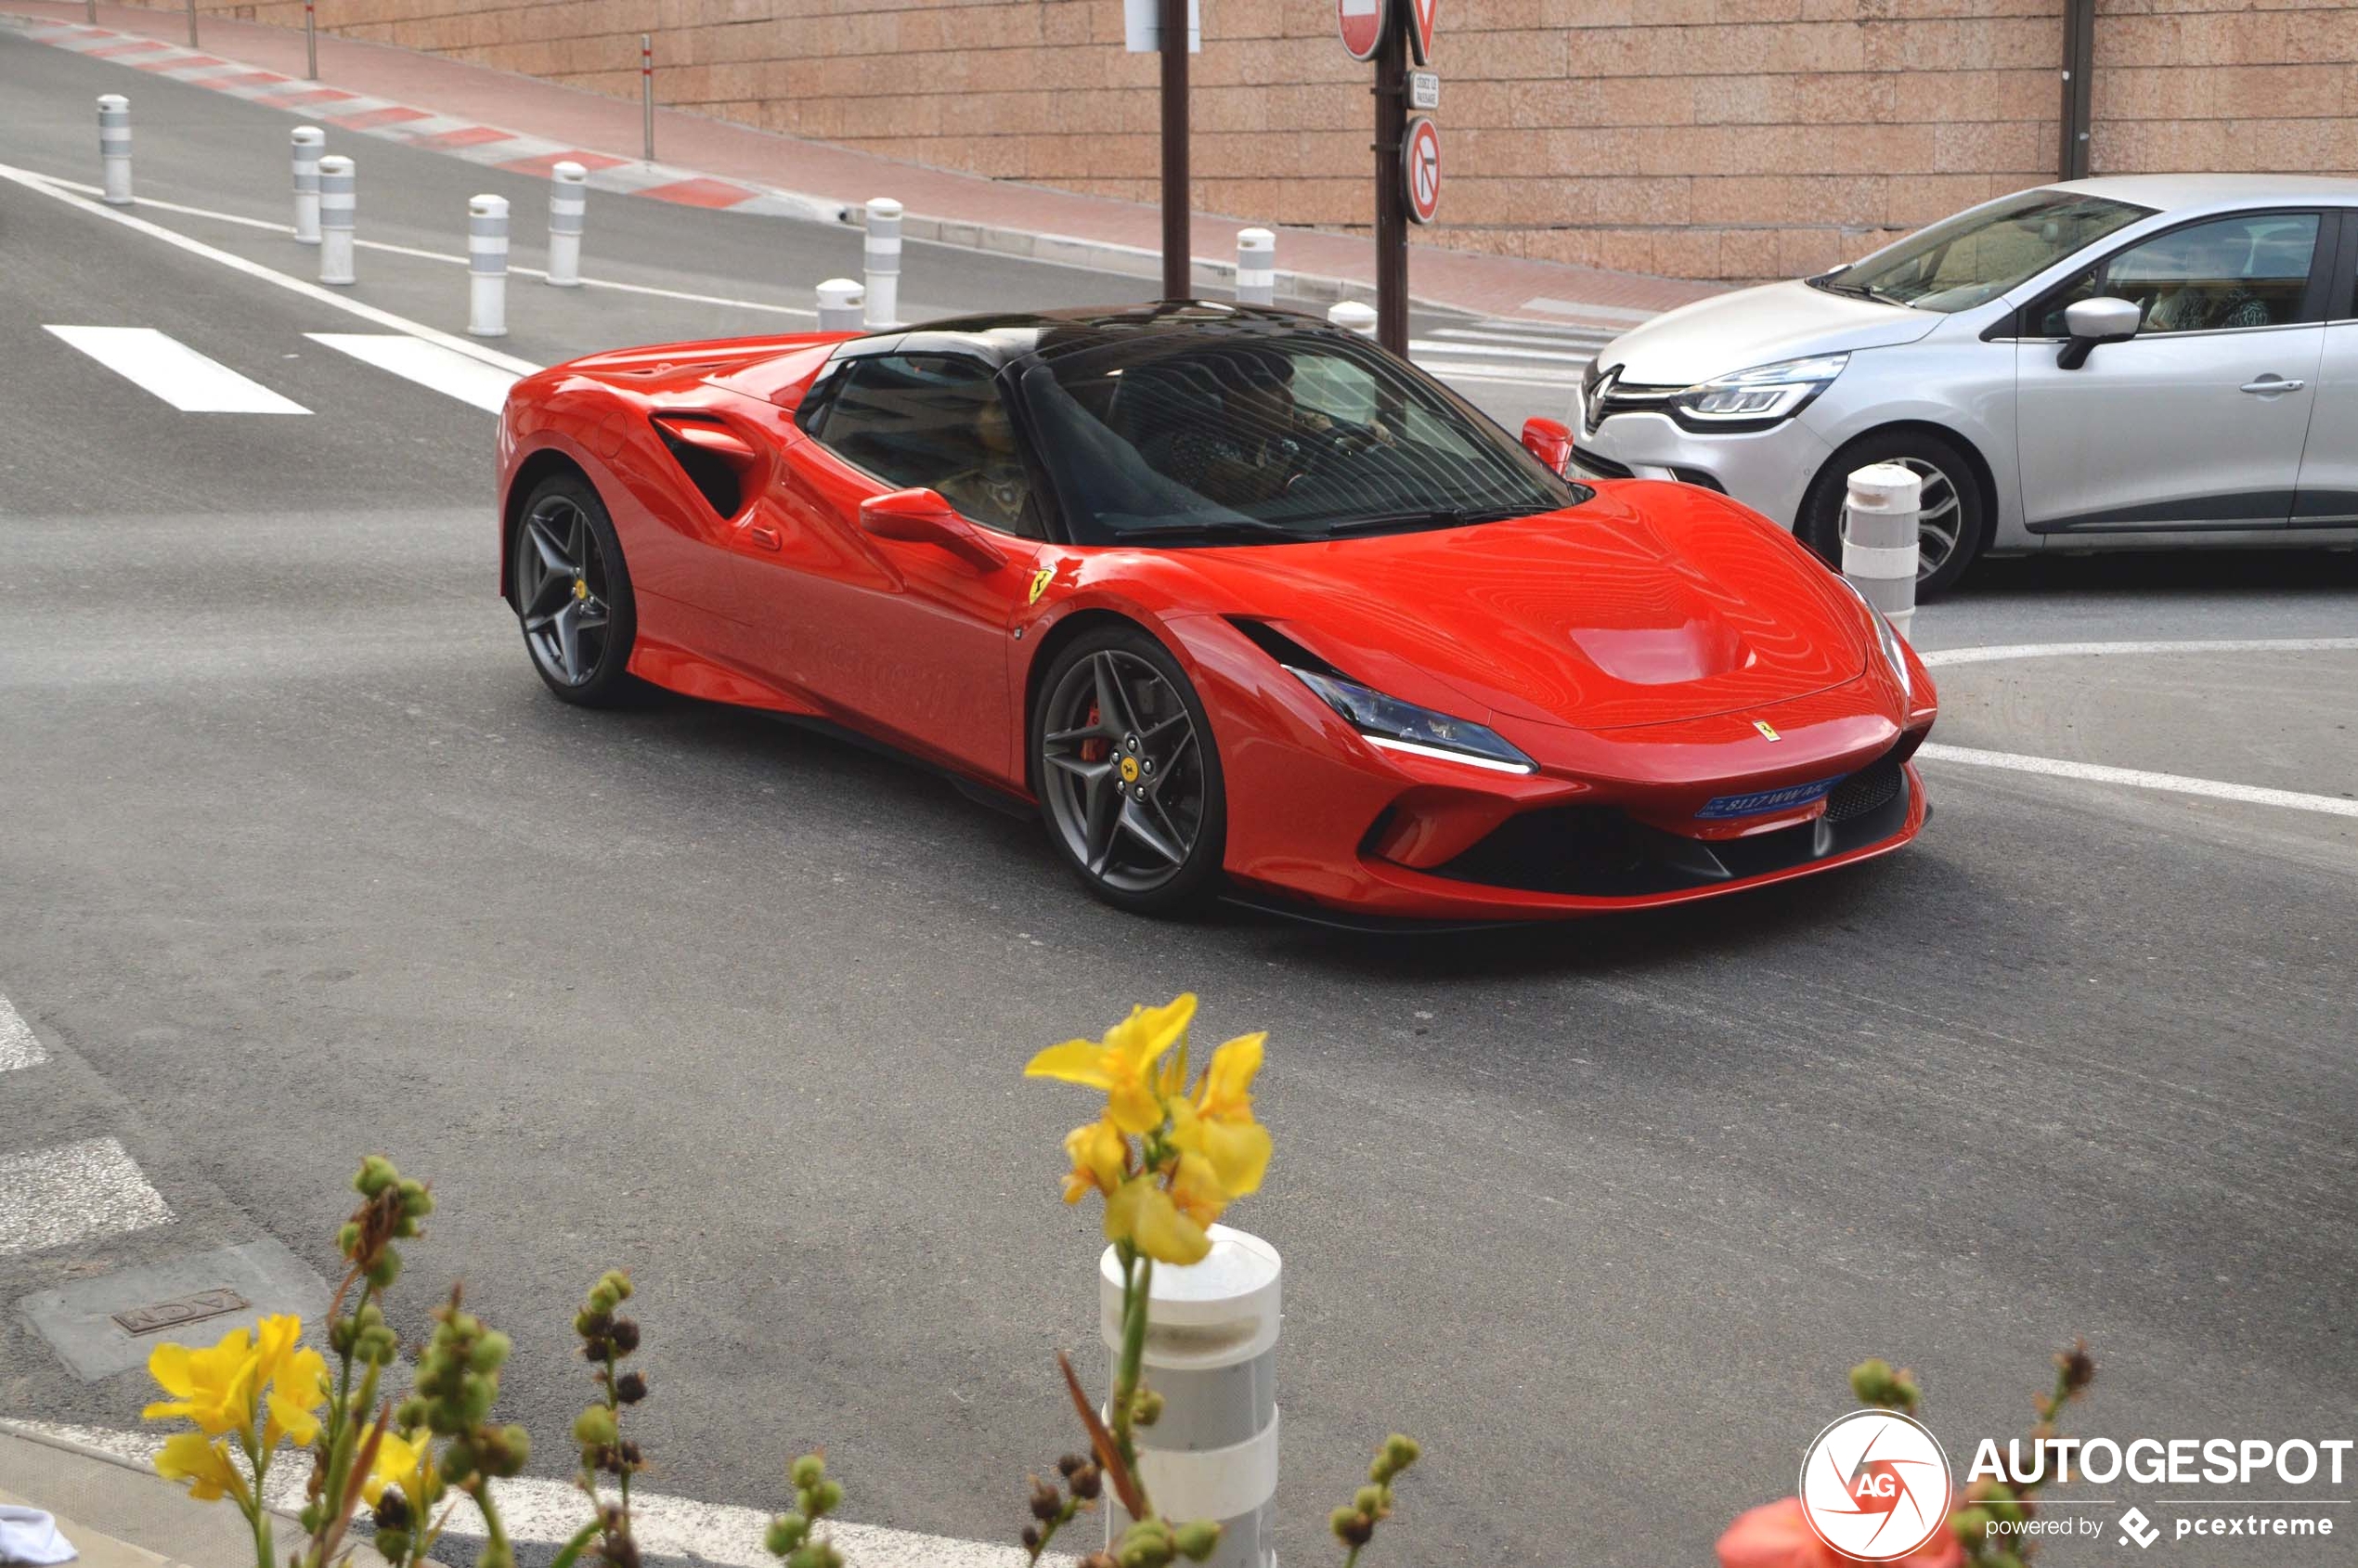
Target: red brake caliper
x=1096, y=748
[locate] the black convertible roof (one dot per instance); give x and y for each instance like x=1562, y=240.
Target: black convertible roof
x=1003, y=337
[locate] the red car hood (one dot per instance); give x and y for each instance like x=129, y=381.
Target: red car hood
x=1648, y=604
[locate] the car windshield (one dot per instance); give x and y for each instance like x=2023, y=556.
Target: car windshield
x=1978, y=255
x=1268, y=437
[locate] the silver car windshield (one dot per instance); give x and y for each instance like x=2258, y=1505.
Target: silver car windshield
x=1961, y=262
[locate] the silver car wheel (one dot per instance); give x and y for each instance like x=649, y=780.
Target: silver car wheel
x=1942, y=520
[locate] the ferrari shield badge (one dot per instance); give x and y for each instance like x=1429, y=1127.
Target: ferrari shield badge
x=1040, y=580
x=1760, y=724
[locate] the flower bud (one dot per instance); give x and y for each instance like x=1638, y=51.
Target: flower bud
x=348, y=1238
x=2079, y=1368
x=1351, y=1527
x=631, y=1389
x=806, y=1472
x=786, y=1531
x=1197, y=1539
x=1087, y=1482
x=1399, y=1453
x=393, y=1513
x=624, y=1336
x=1032, y=1538
x=816, y=1554
x=1373, y=1501
x=1067, y=1465
x=604, y=1298
x=594, y=1428
x=489, y=1353
x=1146, y=1409
x=393, y=1545
x=1046, y=1501
x=825, y=1498
x=385, y=1269
x=512, y=1450
x=376, y=1173
x=618, y=1282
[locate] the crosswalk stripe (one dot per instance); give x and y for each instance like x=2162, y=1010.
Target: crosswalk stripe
x=428, y=364
x=17, y=1047
x=73, y=1192
x=1522, y=375
x=174, y=371
x=1504, y=331
x=1486, y=351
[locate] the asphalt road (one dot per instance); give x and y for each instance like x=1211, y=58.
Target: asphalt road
x=299, y=860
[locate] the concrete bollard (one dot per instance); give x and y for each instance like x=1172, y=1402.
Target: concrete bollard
x=1212, y=1352
x=842, y=306
x=568, y=204
x=339, y=206
x=882, y=262
x=114, y=148
x=487, y=267
x=1353, y=316
x=1256, y=266
x=310, y=143
x=1879, y=547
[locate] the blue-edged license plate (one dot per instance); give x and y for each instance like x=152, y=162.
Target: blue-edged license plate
x=1761, y=802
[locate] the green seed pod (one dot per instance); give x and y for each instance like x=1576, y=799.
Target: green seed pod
x=786, y=1531
x=1402, y=1451
x=825, y=1498
x=594, y=1428
x=1351, y=1527
x=490, y=1353
x=385, y=1270
x=1373, y=1501
x=393, y=1545
x=815, y=1554
x=806, y=1472
x=348, y=1238
x=1147, y=1408
x=618, y=1282
x=416, y=1201
x=604, y=1298
x=516, y=1446
x=1197, y=1539
x=376, y=1173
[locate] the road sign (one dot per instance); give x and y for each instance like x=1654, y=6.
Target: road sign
x=1424, y=89
x=1421, y=29
x=1142, y=26
x=1364, y=23
x=1420, y=168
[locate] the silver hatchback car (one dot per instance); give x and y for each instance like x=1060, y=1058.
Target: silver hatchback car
x=2133, y=362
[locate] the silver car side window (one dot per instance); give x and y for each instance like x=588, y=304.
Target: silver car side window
x=2251, y=270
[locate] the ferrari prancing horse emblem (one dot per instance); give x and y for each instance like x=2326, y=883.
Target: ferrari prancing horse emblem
x=1762, y=725
x=1040, y=580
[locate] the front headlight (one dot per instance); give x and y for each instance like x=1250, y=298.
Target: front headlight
x=1759, y=397
x=1885, y=639
x=1398, y=726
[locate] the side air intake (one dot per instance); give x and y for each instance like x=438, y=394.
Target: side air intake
x=717, y=460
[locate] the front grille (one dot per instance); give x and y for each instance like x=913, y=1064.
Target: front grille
x=1603, y=394
x=1866, y=790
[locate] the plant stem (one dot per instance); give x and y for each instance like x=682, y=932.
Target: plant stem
x=495, y=1532
x=1137, y=1282
x=258, y=1512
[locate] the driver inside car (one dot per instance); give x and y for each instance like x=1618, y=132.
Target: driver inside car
x=1269, y=443
x=994, y=490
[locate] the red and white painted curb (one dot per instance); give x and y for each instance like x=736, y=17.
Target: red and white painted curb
x=458, y=137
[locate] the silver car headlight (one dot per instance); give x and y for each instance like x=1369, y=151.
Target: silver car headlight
x=1397, y=726
x=1756, y=398
x=1885, y=639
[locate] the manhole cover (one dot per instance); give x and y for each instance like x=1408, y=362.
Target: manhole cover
x=156, y=1318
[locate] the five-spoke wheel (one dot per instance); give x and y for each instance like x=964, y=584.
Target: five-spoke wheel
x=1948, y=532
x=1129, y=779
x=571, y=590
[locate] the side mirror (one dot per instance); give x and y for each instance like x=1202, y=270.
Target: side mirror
x=1549, y=441
x=921, y=516
x=2091, y=322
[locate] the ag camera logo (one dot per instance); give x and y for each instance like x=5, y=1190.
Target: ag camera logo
x=1875, y=1486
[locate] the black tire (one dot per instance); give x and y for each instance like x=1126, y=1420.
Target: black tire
x=1168, y=791
x=565, y=566
x=1956, y=518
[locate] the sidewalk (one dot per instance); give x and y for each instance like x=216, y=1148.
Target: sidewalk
x=518, y=123
x=117, y=1514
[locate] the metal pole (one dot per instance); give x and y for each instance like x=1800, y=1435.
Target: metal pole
x=1178, y=271
x=192, y=23
x=2079, y=81
x=647, y=87
x=310, y=145
x=310, y=40
x=568, y=207
x=91, y=9
x=1212, y=1352
x=1880, y=549
x=1391, y=199
x=114, y=149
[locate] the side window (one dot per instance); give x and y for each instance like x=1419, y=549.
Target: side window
x=2249, y=271
x=932, y=421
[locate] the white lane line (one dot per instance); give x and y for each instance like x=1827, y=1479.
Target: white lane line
x=312, y=291
x=72, y=1192
x=2138, y=778
x=172, y=370
x=1588, y=341
x=428, y=364
x=1514, y=375
x=1484, y=351
x=1991, y=654
x=539, y=1509
x=17, y=1047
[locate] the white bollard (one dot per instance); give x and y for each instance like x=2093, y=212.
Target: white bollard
x=842, y=306
x=487, y=267
x=883, y=262
x=339, y=206
x=310, y=143
x=1256, y=266
x=114, y=148
x=1353, y=316
x=568, y=204
x=1212, y=1352
x=1879, y=544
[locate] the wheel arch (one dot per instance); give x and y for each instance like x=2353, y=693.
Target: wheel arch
x=534, y=467
x=1985, y=478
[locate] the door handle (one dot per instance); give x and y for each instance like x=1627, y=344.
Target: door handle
x=2267, y=385
x=762, y=534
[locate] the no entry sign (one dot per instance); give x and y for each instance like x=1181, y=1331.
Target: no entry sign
x=1420, y=168
x=1421, y=29
x=1362, y=23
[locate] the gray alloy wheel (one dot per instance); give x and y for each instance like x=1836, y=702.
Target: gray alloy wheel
x=572, y=594
x=1940, y=522
x=1949, y=534
x=1128, y=783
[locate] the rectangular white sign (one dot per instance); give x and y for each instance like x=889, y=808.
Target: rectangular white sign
x=1142, y=26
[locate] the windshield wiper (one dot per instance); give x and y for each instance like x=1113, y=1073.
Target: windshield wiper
x=1435, y=517
x=1214, y=528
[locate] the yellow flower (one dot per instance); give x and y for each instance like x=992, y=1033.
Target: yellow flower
x=296, y=1378
x=405, y=1463
x=1217, y=1123
x=205, y=1464
x=1100, y=1159
x=1144, y=1215
x=1123, y=1063
x=1196, y=1188
x=213, y=1388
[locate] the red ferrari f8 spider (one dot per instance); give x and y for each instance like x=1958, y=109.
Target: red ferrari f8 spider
x=1238, y=600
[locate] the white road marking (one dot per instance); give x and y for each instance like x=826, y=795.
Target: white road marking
x=17, y=1047
x=72, y=1192
x=172, y=370
x=539, y=1509
x=1514, y=375
x=2138, y=778
x=1510, y=333
x=1995, y=653
x=428, y=364
x=1484, y=351
x=313, y=291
